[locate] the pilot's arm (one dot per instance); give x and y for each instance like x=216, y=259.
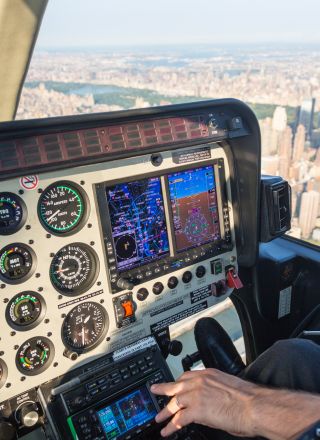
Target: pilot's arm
x=218, y=400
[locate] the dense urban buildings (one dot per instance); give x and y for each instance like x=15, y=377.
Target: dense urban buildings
x=281, y=85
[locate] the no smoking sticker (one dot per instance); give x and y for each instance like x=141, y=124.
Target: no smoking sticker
x=29, y=182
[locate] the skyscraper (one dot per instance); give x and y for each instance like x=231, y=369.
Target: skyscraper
x=285, y=152
x=308, y=212
x=299, y=143
x=306, y=115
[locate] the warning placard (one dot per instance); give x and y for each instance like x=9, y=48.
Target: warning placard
x=29, y=182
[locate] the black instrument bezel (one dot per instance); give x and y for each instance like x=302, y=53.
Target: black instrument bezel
x=208, y=250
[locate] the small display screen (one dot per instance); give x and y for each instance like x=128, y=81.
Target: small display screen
x=138, y=224
x=130, y=412
x=194, y=206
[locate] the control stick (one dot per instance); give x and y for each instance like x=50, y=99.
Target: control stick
x=7, y=430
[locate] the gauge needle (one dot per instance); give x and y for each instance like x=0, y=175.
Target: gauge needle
x=87, y=319
x=61, y=270
x=82, y=336
x=53, y=215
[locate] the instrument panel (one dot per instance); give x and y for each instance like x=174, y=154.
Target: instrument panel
x=113, y=227
x=96, y=257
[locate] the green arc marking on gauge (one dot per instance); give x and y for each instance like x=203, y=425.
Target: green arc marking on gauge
x=77, y=217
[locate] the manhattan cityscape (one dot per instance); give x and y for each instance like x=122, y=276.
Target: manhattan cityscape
x=282, y=85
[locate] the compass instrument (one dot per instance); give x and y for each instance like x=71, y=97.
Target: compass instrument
x=25, y=310
x=63, y=208
x=13, y=213
x=85, y=327
x=74, y=269
x=35, y=355
x=17, y=263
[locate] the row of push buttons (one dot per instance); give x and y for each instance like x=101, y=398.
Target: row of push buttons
x=144, y=365
x=172, y=283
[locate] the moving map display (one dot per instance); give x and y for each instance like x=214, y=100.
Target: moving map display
x=194, y=206
x=127, y=413
x=138, y=224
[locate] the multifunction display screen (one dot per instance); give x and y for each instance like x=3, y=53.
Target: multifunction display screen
x=194, y=207
x=138, y=224
x=127, y=413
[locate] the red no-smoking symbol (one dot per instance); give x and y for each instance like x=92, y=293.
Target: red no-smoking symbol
x=29, y=182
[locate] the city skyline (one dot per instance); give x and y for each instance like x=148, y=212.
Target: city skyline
x=282, y=87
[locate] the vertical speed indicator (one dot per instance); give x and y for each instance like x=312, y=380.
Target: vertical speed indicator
x=63, y=208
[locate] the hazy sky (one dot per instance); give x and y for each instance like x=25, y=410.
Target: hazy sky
x=111, y=22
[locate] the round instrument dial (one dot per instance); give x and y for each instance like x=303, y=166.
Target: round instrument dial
x=35, y=356
x=74, y=269
x=13, y=213
x=85, y=326
x=17, y=263
x=3, y=372
x=63, y=208
x=25, y=310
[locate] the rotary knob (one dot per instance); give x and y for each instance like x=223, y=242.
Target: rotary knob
x=187, y=277
x=172, y=282
x=213, y=123
x=28, y=414
x=200, y=271
x=157, y=288
x=142, y=294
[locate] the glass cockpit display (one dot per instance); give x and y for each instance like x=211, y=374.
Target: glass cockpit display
x=127, y=413
x=138, y=224
x=194, y=206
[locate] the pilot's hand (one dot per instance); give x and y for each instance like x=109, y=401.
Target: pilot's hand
x=208, y=397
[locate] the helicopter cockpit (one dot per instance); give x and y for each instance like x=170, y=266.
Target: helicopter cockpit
x=114, y=228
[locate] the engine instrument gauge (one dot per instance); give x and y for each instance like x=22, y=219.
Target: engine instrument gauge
x=13, y=213
x=84, y=327
x=74, y=269
x=63, y=208
x=17, y=263
x=25, y=310
x=3, y=372
x=35, y=355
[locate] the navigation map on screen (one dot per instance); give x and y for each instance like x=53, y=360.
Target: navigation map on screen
x=138, y=224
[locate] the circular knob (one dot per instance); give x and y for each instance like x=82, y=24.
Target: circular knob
x=172, y=282
x=124, y=284
x=72, y=355
x=7, y=430
x=200, y=271
x=175, y=347
x=157, y=288
x=187, y=277
x=142, y=294
x=213, y=123
x=28, y=414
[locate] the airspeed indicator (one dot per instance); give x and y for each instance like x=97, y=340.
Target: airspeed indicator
x=63, y=208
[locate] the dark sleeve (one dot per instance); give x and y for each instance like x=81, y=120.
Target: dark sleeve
x=313, y=433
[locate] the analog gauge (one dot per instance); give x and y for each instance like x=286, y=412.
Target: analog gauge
x=17, y=263
x=25, y=310
x=3, y=372
x=13, y=213
x=85, y=326
x=74, y=269
x=35, y=356
x=63, y=208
